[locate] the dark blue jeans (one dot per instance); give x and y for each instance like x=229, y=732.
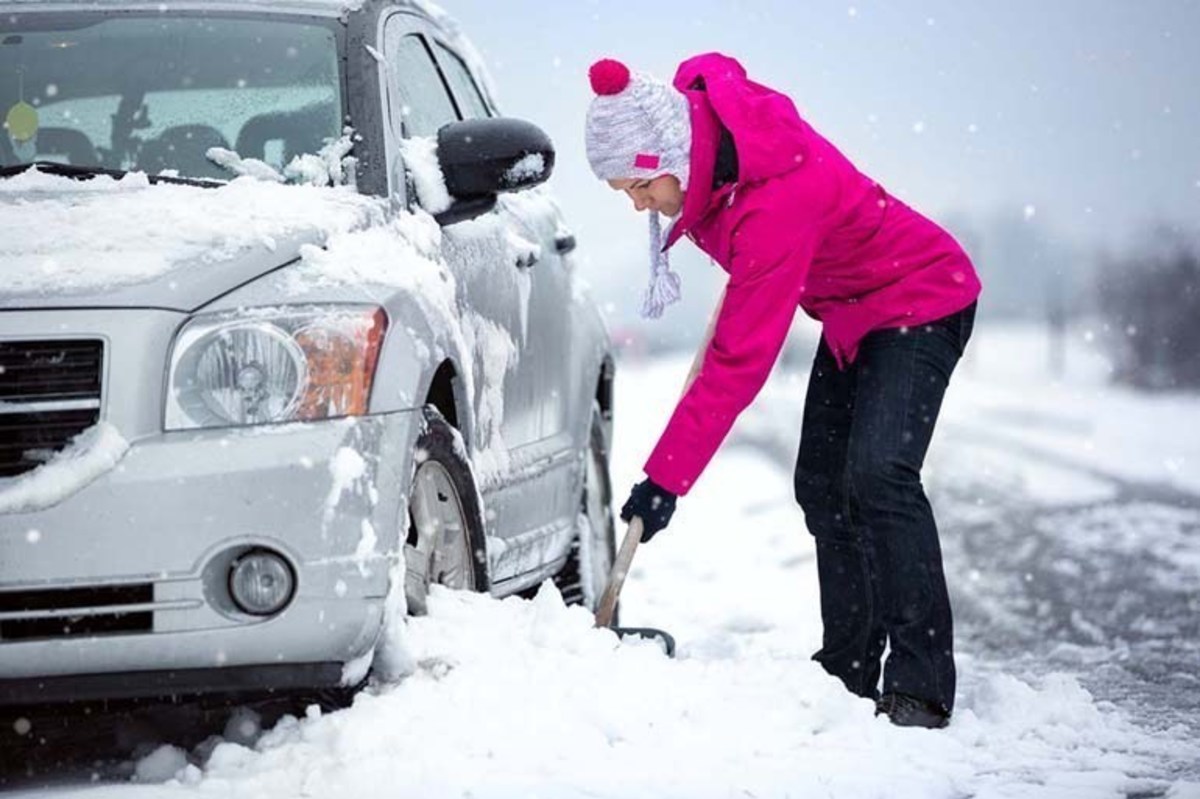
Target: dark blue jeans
x=858, y=479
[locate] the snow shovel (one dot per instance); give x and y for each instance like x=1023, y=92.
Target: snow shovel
x=608, y=601
x=633, y=536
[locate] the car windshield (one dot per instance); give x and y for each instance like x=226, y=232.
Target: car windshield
x=156, y=94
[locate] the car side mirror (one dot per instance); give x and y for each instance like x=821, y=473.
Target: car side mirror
x=480, y=158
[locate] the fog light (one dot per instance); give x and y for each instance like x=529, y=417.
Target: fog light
x=261, y=583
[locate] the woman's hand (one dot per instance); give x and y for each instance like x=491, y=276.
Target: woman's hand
x=653, y=504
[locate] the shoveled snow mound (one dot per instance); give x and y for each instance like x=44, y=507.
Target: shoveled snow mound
x=63, y=235
x=520, y=698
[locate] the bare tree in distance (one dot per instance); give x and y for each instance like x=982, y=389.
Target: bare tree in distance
x=1149, y=297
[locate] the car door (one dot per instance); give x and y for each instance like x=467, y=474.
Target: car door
x=535, y=215
x=492, y=259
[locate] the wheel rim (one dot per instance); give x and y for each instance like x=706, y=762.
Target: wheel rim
x=441, y=554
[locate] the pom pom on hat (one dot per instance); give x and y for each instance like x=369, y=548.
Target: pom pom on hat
x=608, y=77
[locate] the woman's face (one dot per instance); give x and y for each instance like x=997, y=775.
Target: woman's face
x=661, y=194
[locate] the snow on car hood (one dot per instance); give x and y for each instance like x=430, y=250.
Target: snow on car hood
x=124, y=242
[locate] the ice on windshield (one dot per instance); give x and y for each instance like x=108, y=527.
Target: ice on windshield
x=156, y=94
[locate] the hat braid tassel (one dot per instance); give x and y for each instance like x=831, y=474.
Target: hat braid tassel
x=664, y=284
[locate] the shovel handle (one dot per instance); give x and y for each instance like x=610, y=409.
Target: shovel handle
x=620, y=568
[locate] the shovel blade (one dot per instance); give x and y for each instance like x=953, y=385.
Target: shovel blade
x=661, y=637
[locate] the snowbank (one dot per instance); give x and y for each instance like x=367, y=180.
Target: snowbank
x=1057, y=437
x=520, y=698
x=1007, y=388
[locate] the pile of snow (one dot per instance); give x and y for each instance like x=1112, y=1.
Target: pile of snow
x=246, y=167
x=332, y=165
x=520, y=698
x=62, y=235
x=90, y=454
x=161, y=765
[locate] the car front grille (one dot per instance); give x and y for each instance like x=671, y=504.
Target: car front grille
x=49, y=393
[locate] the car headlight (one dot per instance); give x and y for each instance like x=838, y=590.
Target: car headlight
x=274, y=365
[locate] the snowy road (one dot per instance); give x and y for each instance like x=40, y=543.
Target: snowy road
x=1059, y=564
x=1107, y=588
x=1080, y=572
x=1075, y=591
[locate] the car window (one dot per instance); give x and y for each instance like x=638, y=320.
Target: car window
x=426, y=104
x=470, y=100
x=155, y=94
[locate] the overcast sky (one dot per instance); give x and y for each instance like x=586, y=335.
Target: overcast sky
x=1084, y=115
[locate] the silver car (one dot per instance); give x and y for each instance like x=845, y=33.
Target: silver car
x=212, y=454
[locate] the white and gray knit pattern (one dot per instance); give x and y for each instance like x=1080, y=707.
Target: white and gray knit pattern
x=648, y=117
x=664, y=287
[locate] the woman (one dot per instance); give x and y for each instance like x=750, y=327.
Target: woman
x=794, y=224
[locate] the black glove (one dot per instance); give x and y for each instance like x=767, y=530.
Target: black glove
x=653, y=504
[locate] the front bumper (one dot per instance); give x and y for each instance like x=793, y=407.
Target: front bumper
x=168, y=519
x=236, y=681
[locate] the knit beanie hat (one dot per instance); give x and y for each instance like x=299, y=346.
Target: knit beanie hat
x=640, y=128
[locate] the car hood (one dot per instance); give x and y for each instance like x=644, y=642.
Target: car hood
x=110, y=242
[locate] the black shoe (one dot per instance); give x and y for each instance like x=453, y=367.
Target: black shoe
x=909, y=711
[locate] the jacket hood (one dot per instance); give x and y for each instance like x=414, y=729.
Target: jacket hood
x=770, y=136
x=110, y=242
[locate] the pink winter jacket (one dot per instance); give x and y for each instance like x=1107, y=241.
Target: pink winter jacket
x=800, y=227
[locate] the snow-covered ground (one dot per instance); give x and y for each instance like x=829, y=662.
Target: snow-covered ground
x=1060, y=553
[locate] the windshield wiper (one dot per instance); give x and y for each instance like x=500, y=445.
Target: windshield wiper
x=88, y=172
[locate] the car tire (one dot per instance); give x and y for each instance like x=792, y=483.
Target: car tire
x=445, y=543
x=595, y=546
